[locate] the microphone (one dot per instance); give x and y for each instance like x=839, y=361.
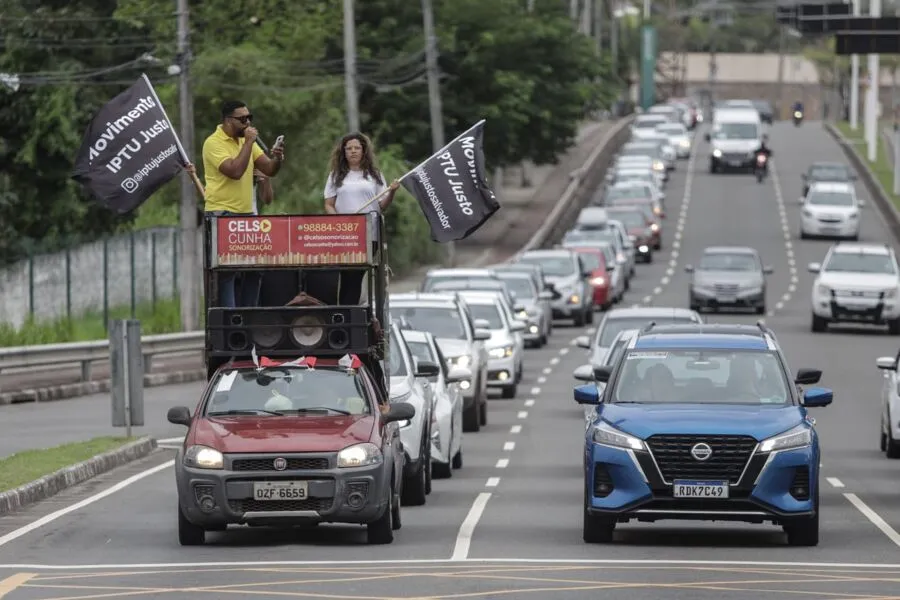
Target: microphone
x=262, y=145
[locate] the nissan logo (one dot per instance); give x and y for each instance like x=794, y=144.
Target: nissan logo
x=280, y=464
x=701, y=451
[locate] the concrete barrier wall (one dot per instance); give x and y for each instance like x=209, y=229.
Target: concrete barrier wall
x=85, y=279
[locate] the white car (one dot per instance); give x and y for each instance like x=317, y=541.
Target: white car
x=626, y=179
x=446, y=429
x=678, y=136
x=585, y=373
x=890, y=406
x=506, y=347
x=856, y=283
x=645, y=125
x=830, y=209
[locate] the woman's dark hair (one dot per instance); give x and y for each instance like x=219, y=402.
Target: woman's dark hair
x=340, y=167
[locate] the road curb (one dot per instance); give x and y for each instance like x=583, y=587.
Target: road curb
x=52, y=484
x=67, y=391
x=583, y=179
x=879, y=195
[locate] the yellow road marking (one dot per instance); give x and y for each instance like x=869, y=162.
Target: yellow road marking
x=12, y=582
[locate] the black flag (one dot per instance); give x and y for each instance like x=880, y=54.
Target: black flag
x=451, y=187
x=129, y=149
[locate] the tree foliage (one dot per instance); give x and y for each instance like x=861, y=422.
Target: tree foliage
x=529, y=75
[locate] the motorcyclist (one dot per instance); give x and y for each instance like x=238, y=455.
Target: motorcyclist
x=798, y=107
x=763, y=147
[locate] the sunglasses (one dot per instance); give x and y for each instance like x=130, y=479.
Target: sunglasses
x=244, y=119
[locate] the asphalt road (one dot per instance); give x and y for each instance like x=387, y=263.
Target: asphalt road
x=509, y=521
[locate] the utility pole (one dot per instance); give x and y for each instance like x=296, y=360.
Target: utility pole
x=586, y=19
x=350, y=66
x=780, y=87
x=854, y=80
x=872, y=93
x=434, y=95
x=189, y=270
x=598, y=25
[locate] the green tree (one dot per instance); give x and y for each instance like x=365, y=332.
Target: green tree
x=57, y=52
x=529, y=75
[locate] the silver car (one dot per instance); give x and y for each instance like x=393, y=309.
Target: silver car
x=448, y=318
x=446, y=431
x=679, y=138
x=728, y=277
x=585, y=373
x=569, y=276
x=534, y=300
x=619, y=319
x=506, y=348
x=408, y=384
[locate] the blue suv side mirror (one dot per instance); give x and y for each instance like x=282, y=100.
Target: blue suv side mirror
x=587, y=394
x=817, y=396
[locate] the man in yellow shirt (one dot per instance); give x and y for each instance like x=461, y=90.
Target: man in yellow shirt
x=230, y=156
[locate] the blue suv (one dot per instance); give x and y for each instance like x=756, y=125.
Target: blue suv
x=702, y=422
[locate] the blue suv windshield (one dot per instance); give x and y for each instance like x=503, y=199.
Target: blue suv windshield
x=702, y=377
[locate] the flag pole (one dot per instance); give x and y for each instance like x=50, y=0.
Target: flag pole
x=184, y=157
x=408, y=173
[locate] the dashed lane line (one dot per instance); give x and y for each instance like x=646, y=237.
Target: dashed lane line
x=679, y=232
x=835, y=482
x=509, y=446
x=788, y=244
x=502, y=463
x=515, y=429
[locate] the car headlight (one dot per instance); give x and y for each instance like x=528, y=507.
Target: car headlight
x=658, y=165
x=460, y=361
x=890, y=293
x=853, y=216
x=502, y=352
x=823, y=290
x=684, y=143
x=798, y=437
x=808, y=214
x=204, y=457
x=654, y=227
x=606, y=434
x=717, y=153
x=359, y=455
x=598, y=281
x=522, y=314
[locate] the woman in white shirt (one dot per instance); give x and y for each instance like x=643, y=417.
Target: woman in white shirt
x=353, y=182
x=355, y=179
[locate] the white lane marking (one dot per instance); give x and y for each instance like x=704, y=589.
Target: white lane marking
x=547, y=370
x=573, y=342
x=529, y=402
x=25, y=530
x=679, y=232
x=509, y=446
x=554, y=360
x=876, y=520
x=515, y=429
x=563, y=351
x=492, y=482
x=440, y=561
x=835, y=482
x=502, y=463
x=788, y=243
x=541, y=379
x=522, y=414
x=467, y=529
x=535, y=391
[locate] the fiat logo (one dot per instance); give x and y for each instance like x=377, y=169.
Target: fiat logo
x=701, y=451
x=280, y=464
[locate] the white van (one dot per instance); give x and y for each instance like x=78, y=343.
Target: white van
x=736, y=133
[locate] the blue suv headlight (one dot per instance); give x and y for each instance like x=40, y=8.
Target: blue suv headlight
x=606, y=434
x=798, y=437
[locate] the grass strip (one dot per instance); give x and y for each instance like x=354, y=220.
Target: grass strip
x=26, y=466
x=162, y=317
x=882, y=168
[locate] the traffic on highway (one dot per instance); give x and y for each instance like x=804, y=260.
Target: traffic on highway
x=696, y=387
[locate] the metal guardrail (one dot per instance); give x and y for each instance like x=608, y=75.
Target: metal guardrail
x=85, y=354
x=44, y=357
